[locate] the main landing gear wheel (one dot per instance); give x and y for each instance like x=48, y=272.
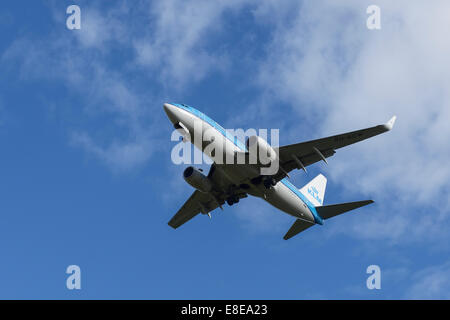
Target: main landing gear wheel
x=232, y=200
x=269, y=182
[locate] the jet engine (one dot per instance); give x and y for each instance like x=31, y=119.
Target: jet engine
x=260, y=151
x=197, y=179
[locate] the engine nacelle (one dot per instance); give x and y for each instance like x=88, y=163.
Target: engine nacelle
x=260, y=151
x=197, y=179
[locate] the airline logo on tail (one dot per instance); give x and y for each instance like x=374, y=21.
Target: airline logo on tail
x=315, y=194
x=314, y=190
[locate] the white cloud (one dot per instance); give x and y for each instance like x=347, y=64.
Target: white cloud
x=178, y=41
x=321, y=59
x=430, y=283
x=104, y=92
x=166, y=49
x=99, y=27
x=118, y=155
x=338, y=75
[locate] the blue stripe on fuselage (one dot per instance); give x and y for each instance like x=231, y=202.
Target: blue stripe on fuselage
x=312, y=208
x=212, y=123
x=241, y=146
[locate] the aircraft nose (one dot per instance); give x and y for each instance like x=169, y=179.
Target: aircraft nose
x=167, y=107
x=171, y=112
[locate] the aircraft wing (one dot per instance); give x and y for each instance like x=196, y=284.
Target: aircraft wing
x=198, y=202
x=301, y=155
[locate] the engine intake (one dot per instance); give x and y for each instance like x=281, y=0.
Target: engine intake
x=197, y=179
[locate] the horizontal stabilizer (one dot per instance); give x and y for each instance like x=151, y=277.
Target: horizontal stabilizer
x=326, y=212
x=297, y=227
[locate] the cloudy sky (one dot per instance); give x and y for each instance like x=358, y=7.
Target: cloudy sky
x=86, y=176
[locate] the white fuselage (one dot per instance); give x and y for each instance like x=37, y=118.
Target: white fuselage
x=283, y=195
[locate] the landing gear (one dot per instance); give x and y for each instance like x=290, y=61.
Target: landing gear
x=269, y=182
x=232, y=200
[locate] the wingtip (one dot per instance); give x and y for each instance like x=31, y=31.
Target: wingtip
x=390, y=124
x=172, y=224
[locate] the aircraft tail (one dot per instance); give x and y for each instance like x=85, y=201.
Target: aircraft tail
x=325, y=212
x=314, y=190
x=330, y=211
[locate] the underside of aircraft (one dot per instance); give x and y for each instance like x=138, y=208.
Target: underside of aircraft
x=229, y=182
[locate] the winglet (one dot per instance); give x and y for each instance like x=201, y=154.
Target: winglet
x=390, y=124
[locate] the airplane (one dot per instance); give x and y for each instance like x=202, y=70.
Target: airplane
x=230, y=182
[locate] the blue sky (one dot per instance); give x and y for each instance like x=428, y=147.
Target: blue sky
x=86, y=176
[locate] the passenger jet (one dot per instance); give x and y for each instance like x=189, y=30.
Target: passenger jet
x=230, y=182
